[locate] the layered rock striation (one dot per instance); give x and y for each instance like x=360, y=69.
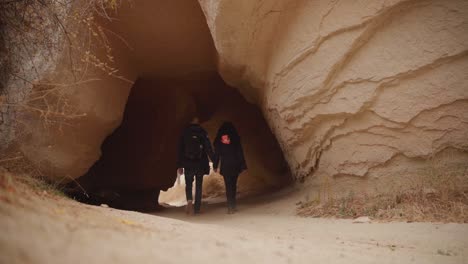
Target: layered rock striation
x=351, y=88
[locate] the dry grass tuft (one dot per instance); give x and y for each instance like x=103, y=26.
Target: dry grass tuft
x=441, y=196
x=18, y=188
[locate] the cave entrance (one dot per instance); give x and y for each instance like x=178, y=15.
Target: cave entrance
x=214, y=102
x=139, y=158
x=175, y=60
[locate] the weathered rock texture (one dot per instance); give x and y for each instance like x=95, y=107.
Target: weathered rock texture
x=368, y=89
x=123, y=131
x=176, y=42
x=351, y=88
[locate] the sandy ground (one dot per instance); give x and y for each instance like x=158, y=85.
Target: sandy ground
x=48, y=229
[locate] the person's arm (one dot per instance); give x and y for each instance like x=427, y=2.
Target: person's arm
x=180, y=154
x=243, y=164
x=216, y=159
x=208, y=148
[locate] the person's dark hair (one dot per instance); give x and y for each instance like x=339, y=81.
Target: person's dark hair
x=227, y=128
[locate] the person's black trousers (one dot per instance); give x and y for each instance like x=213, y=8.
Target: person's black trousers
x=230, y=181
x=191, y=175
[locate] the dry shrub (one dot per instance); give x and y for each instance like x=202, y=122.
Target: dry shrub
x=18, y=188
x=36, y=30
x=15, y=163
x=39, y=35
x=17, y=169
x=442, y=196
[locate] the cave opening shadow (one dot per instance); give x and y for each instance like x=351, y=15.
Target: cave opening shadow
x=139, y=158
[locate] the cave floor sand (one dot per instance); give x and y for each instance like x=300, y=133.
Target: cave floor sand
x=43, y=228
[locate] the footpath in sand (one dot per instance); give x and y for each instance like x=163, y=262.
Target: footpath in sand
x=44, y=228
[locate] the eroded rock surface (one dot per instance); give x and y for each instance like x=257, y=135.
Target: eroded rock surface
x=351, y=88
x=367, y=89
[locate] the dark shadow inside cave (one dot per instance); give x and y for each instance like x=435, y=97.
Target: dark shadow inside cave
x=139, y=158
x=176, y=61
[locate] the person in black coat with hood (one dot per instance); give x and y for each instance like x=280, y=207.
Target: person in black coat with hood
x=229, y=156
x=193, y=153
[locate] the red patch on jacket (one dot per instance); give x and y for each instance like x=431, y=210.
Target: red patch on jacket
x=225, y=139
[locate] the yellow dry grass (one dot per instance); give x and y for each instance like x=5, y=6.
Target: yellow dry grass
x=440, y=196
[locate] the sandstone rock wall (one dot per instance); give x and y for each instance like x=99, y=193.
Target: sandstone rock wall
x=160, y=39
x=351, y=88
x=57, y=103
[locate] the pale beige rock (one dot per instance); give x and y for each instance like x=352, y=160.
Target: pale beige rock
x=348, y=87
x=362, y=220
x=66, y=148
x=351, y=89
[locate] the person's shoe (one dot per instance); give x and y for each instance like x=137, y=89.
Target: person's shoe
x=189, y=208
x=230, y=211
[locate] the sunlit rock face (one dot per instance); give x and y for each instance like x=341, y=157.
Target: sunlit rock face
x=351, y=89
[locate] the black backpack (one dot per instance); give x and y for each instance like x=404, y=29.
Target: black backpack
x=193, y=146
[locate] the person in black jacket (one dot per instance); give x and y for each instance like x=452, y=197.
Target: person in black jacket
x=229, y=156
x=193, y=153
